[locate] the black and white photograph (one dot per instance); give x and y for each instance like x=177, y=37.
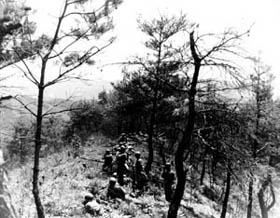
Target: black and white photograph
x=139, y=109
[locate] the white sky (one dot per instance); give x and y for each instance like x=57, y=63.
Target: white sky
x=212, y=16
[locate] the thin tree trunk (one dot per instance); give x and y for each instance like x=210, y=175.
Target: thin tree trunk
x=151, y=134
x=21, y=151
x=264, y=208
x=119, y=127
x=262, y=204
x=227, y=193
x=203, y=170
x=251, y=182
x=254, y=151
x=186, y=139
x=153, y=116
x=39, y=206
x=250, y=198
x=161, y=153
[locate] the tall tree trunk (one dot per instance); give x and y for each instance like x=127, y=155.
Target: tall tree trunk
x=153, y=115
x=251, y=182
x=151, y=132
x=119, y=126
x=21, y=151
x=264, y=208
x=254, y=152
x=262, y=204
x=203, y=170
x=39, y=206
x=227, y=193
x=186, y=139
x=250, y=198
x=161, y=153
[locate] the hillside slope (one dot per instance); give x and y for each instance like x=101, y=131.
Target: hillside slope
x=65, y=179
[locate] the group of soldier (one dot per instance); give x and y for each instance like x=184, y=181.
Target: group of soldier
x=120, y=174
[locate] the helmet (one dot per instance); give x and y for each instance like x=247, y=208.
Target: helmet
x=112, y=181
x=122, y=148
x=137, y=154
x=168, y=166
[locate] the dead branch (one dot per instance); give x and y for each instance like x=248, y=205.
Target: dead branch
x=4, y=98
x=83, y=59
x=25, y=106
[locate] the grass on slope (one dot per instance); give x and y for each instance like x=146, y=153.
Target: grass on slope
x=65, y=179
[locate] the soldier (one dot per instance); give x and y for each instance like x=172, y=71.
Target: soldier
x=115, y=191
x=121, y=165
x=115, y=175
x=76, y=146
x=122, y=138
x=137, y=167
x=169, y=177
x=138, y=163
x=88, y=197
x=108, y=160
x=121, y=148
x=141, y=178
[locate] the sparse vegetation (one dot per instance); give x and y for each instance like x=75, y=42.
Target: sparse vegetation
x=179, y=107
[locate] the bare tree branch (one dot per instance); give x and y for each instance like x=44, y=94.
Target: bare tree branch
x=55, y=37
x=82, y=60
x=25, y=106
x=4, y=98
x=61, y=111
x=70, y=44
x=273, y=197
x=7, y=64
x=224, y=42
x=29, y=75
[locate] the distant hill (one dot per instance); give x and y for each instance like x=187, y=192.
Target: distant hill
x=12, y=111
x=57, y=98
